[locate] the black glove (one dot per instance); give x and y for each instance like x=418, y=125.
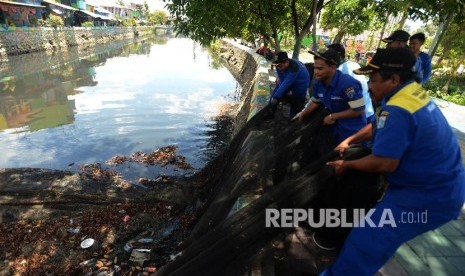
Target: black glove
x=274, y=102
x=271, y=108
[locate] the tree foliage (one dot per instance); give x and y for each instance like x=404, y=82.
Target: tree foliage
x=435, y=10
x=453, y=48
x=54, y=21
x=208, y=20
x=351, y=17
x=157, y=17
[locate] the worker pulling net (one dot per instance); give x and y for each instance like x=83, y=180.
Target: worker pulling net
x=270, y=164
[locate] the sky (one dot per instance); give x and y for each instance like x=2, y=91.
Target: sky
x=414, y=25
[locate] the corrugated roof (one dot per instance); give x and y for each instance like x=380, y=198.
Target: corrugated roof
x=89, y=13
x=60, y=5
x=21, y=4
x=95, y=15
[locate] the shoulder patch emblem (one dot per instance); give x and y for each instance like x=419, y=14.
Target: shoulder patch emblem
x=350, y=92
x=381, y=121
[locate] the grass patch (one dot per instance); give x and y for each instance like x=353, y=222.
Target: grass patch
x=452, y=90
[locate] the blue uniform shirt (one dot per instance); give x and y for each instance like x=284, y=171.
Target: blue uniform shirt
x=295, y=78
x=419, y=70
x=348, y=68
x=344, y=92
x=426, y=67
x=410, y=127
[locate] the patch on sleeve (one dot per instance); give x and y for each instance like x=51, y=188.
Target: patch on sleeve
x=382, y=120
x=384, y=113
x=350, y=92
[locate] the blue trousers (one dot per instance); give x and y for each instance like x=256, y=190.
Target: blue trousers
x=367, y=249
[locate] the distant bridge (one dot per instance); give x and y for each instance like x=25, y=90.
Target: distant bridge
x=167, y=28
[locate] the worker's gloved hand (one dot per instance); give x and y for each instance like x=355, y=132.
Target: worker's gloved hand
x=271, y=108
x=274, y=102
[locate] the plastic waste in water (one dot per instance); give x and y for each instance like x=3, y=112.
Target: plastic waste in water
x=145, y=240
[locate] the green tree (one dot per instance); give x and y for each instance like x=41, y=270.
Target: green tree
x=208, y=20
x=384, y=9
x=158, y=17
x=87, y=24
x=54, y=21
x=453, y=48
x=351, y=17
x=266, y=19
x=303, y=17
x=440, y=12
x=146, y=10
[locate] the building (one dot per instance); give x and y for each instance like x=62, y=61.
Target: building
x=25, y=13
x=21, y=13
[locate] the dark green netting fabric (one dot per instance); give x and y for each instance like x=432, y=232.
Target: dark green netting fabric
x=270, y=163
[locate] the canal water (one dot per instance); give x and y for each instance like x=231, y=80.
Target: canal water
x=87, y=105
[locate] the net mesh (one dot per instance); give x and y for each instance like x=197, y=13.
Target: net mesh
x=270, y=163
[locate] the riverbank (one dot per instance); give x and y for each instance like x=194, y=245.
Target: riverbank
x=28, y=40
x=52, y=211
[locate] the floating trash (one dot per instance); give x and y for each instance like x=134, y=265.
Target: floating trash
x=88, y=243
x=74, y=230
x=89, y=262
x=145, y=240
x=128, y=247
x=139, y=256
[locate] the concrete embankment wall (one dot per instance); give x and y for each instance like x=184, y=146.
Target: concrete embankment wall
x=28, y=40
x=252, y=71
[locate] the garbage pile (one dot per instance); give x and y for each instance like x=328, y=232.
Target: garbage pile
x=123, y=238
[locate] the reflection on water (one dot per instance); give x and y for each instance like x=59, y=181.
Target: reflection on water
x=89, y=104
x=35, y=86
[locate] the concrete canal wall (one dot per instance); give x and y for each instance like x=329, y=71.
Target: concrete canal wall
x=27, y=40
x=252, y=71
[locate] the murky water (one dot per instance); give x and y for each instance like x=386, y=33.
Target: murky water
x=88, y=105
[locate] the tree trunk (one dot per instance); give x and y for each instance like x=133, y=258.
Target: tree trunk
x=339, y=36
x=440, y=34
x=404, y=17
x=445, y=52
x=297, y=45
x=314, y=42
x=299, y=36
x=452, y=74
x=295, y=23
x=382, y=31
x=277, y=42
x=370, y=41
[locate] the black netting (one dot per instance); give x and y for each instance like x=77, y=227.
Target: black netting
x=275, y=164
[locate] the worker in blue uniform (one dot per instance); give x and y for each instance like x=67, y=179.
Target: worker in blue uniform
x=416, y=150
x=340, y=93
x=399, y=39
x=292, y=84
x=348, y=67
x=415, y=42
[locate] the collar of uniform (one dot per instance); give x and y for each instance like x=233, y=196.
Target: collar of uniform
x=293, y=66
x=335, y=79
x=397, y=89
